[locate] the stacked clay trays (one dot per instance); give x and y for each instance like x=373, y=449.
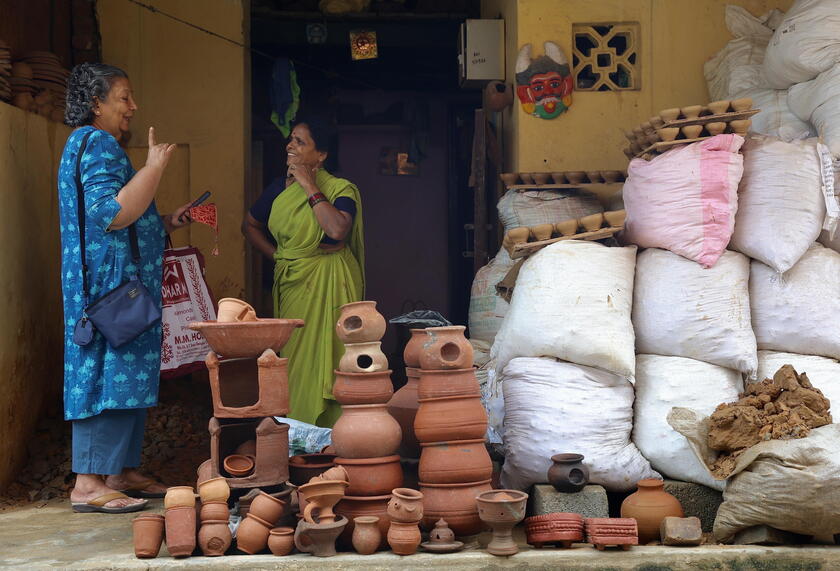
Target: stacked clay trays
x=451, y=424
x=366, y=437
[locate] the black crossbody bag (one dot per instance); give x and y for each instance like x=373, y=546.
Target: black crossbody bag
x=126, y=311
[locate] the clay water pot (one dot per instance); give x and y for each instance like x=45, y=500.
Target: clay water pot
x=669, y=114
x=267, y=508
x=180, y=530
x=411, y=353
x=148, y=535
x=404, y=537
x=692, y=111
x=319, y=538
x=238, y=465
x=501, y=510
x=366, y=535
x=541, y=177
x=179, y=496
x=321, y=497
x=743, y=104
x=567, y=473
x=366, y=431
x=692, y=131
x=541, y=232
x=363, y=388
x=527, y=178
x=214, y=511
x=615, y=218
x=649, y=505
x=594, y=176
x=455, y=503
x=372, y=476
x=252, y=534
x=509, y=178
x=567, y=227
x=363, y=358
x=359, y=322
x=592, y=222
x=740, y=126
x=575, y=177
x=558, y=178
x=403, y=407
x=232, y=309
x=214, y=490
x=450, y=418
x=214, y=537
x=334, y=473
x=405, y=506
x=281, y=540
x=447, y=383
x=304, y=467
x=718, y=107
x=446, y=348
x=716, y=128
x=456, y=461
x=668, y=133
x=352, y=507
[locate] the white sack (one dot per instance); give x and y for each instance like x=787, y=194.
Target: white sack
x=487, y=310
x=805, y=44
x=818, y=101
x=775, y=118
x=553, y=407
x=799, y=311
x=781, y=205
x=532, y=207
x=683, y=310
x=824, y=373
x=572, y=301
x=666, y=382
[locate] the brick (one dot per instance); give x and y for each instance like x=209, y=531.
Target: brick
x=591, y=501
x=766, y=535
x=696, y=500
x=681, y=531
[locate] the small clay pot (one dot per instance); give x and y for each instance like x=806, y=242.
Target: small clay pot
x=558, y=177
x=359, y=322
x=669, y=114
x=363, y=358
x=501, y=510
x=567, y=473
x=668, y=133
x=692, y=131
x=363, y=388
x=541, y=232
x=527, y=178
x=406, y=506
x=319, y=538
x=366, y=431
x=180, y=530
x=411, y=354
x=647, y=127
x=281, y=540
x=455, y=461
x=575, y=177
x=541, y=177
x=455, y=503
x=352, y=507
x=611, y=176
x=214, y=511
x=592, y=222
x=404, y=537
x=649, y=505
x=148, y=535
x=740, y=126
x=334, y=473
x=238, y=465
x=450, y=418
x=179, y=496
x=232, y=309
x=715, y=128
x=372, y=476
x=515, y=236
x=509, y=178
x=692, y=111
x=594, y=176
x=366, y=535
x=718, y=107
x=252, y=534
x=304, y=467
x=447, y=382
x=403, y=407
x=214, y=537
x=214, y=490
x=567, y=227
x=267, y=508
x=743, y=104
x=446, y=348
x=285, y=494
x=321, y=497
x=615, y=218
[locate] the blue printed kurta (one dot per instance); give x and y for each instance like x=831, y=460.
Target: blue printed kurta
x=99, y=377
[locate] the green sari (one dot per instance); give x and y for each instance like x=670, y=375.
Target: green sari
x=312, y=284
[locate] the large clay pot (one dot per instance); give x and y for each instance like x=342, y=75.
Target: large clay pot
x=455, y=503
x=319, y=538
x=214, y=511
x=252, y=534
x=366, y=536
x=214, y=537
x=179, y=496
x=366, y=431
x=180, y=530
x=267, y=508
x=567, y=473
x=214, y=490
x=304, y=467
x=363, y=358
x=649, y=505
x=148, y=535
x=411, y=353
x=450, y=418
x=455, y=461
x=403, y=407
x=406, y=506
x=359, y=322
x=372, y=476
x=404, y=537
x=352, y=507
x=281, y=540
x=363, y=388
x=447, y=383
x=501, y=510
x=446, y=348
x=320, y=497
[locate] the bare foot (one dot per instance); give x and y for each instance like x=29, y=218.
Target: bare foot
x=130, y=477
x=91, y=486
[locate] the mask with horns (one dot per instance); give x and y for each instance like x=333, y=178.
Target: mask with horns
x=544, y=85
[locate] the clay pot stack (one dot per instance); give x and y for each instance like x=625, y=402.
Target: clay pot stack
x=179, y=520
x=366, y=437
x=451, y=424
x=214, y=536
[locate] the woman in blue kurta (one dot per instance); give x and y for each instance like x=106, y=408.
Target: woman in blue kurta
x=107, y=390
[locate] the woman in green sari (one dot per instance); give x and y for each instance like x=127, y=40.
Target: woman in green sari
x=316, y=221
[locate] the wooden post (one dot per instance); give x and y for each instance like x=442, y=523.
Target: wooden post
x=479, y=176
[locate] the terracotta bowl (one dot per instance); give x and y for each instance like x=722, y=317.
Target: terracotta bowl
x=239, y=465
x=247, y=338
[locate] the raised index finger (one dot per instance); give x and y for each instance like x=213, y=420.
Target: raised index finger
x=151, y=137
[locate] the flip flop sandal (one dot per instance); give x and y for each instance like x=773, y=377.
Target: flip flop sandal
x=138, y=490
x=97, y=505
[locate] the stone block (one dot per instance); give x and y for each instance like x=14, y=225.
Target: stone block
x=696, y=500
x=766, y=535
x=590, y=502
x=681, y=531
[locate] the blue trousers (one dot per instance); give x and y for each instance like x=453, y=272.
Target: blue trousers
x=109, y=441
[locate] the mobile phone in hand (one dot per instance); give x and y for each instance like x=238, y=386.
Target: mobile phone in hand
x=195, y=203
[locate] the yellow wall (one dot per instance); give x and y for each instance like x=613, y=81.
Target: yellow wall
x=193, y=88
x=677, y=36
x=31, y=346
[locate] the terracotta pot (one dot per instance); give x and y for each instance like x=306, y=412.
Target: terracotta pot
x=320, y=496
x=214, y=537
x=592, y=222
x=366, y=431
x=446, y=348
x=405, y=506
x=594, y=176
x=247, y=338
x=615, y=218
x=363, y=358
x=450, y=418
x=455, y=461
x=247, y=448
x=611, y=176
x=669, y=114
x=447, y=383
x=366, y=536
x=558, y=178
x=541, y=177
x=284, y=495
x=363, y=388
x=214, y=490
x=740, y=126
x=668, y=133
x=501, y=510
x=567, y=227
x=575, y=177
x=718, y=107
x=232, y=309
x=455, y=503
x=179, y=496
x=214, y=511
x=517, y=235
x=148, y=535
x=404, y=537
x=541, y=232
x=403, y=407
x=715, y=128
x=319, y=538
x=281, y=540
x=252, y=534
x=692, y=111
x=359, y=322
x=527, y=178
x=567, y=473
x=304, y=467
x=743, y=104
x=239, y=465
x=180, y=530
x=267, y=508
x=334, y=473
x=372, y=476
x=411, y=353
x=352, y=507
x=649, y=505
x=509, y=178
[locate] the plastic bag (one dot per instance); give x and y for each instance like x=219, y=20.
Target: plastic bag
x=487, y=308
x=421, y=318
x=305, y=438
x=775, y=117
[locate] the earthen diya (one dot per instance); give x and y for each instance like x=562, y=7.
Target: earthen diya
x=442, y=539
x=501, y=510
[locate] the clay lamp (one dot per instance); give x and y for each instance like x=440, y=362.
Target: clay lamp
x=692, y=131
x=558, y=178
x=214, y=490
x=718, y=107
x=743, y=104
x=669, y=115
x=716, y=128
x=442, y=539
x=239, y=465
x=668, y=133
x=501, y=510
x=740, y=126
x=509, y=178
x=321, y=496
x=615, y=218
x=541, y=177
x=611, y=176
x=567, y=227
x=692, y=111
x=594, y=176
x=592, y=222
